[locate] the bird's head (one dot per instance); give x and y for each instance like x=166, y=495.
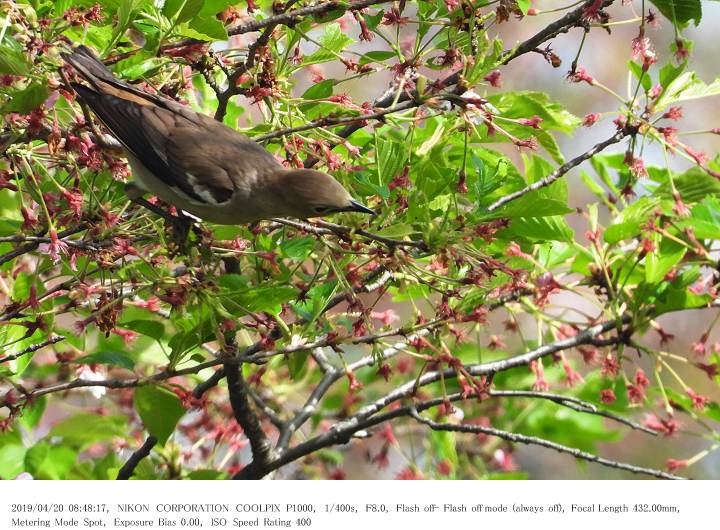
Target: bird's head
x=309, y=193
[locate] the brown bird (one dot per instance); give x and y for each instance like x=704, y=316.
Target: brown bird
x=197, y=163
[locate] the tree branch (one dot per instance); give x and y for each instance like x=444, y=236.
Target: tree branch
x=144, y=451
x=330, y=121
x=567, y=166
x=343, y=431
x=293, y=17
x=561, y=25
x=32, y=348
x=533, y=440
x=248, y=420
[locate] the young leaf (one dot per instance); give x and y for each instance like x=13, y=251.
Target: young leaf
x=159, y=409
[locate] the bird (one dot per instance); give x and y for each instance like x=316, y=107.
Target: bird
x=197, y=163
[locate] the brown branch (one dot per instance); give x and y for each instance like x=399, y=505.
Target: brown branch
x=248, y=26
x=231, y=90
x=260, y=446
x=567, y=166
x=562, y=25
x=333, y=374
x=32, y=245
x=31, y=349
x=257, y=346
x=573, y=403
x=321, y=228
x=330, y=121
x=534, y=440
x=144, y=451
x=343, y=431
x=293, y=17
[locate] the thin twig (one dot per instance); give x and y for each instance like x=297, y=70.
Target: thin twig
x=561, y=25
x=321, y=228
x=32, y=348
x=32, y=245
x=330, y=121
x=573, y=403
x=562, y=170
x=248, y=352
x=533, y=440
x=294, y=16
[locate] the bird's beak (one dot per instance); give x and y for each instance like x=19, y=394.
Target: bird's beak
x=359, y=207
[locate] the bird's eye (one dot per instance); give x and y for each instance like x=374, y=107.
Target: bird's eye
x=321, y=209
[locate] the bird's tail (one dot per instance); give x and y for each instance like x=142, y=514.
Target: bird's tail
x=96, y=74
x=86, y=63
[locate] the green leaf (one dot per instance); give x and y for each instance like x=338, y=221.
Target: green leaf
x=705, y=219
x=693, y=186
x=213, y=7
x=206, y=28
x=680, y=12
x=523, y=5
x=261, y=298
x=33, y=412
x=376, y=56
x=150, y=328
x=125, y=13
x=298, y=248
x=390, y=157
x=533, y=204
x=321, y=90
x=628, y=224
x=642, y=76
x=443, y=446
x=297, y=362
x=13, y=61
x=398, y=230
x=549, y=228
x=159, y=409
x=327, y=16
x=21, y=287
x=332, y=42
x=686, y=87
x=85, y=429
x=660, y=262
x=528, y=104
x=9, y=227
x=12, y=458
x=184, y=9
x=670, y=73
x=548, y=142
x=207, y=474
x=111, y=358
x=49, y=462
x=27, y=99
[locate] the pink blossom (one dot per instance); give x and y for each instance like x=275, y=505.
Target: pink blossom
x=580, y=75
x=673, y=113
x=607, y=396
x=699, y=402
x=387, y=317
x=610, y=366
x=668, y=426
x=673, y=465
x=127, y=335
x=540, y=385
x=533, y=122
x=494, y=79
x=55, y=248
x=591, y=119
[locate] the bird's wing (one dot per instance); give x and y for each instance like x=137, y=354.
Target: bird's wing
x=203, y=159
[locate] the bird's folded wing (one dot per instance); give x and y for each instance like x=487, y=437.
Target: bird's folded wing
x=204, y=160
